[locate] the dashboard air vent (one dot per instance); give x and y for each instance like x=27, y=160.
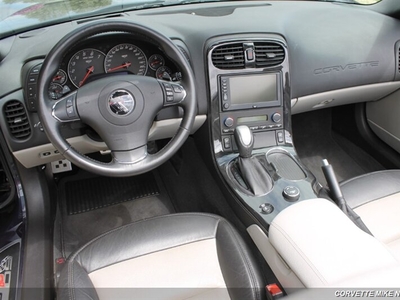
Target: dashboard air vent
x=17, y=120
x=268, y=54
x=229, y=56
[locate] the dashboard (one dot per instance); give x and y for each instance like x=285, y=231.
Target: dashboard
x=327, y=63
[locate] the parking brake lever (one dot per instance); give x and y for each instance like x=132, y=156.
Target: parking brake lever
x=333, y=185
x=338, y=198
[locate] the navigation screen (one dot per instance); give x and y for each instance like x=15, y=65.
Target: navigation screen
x=253, y=89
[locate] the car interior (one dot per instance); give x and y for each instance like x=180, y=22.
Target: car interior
x=201, y=150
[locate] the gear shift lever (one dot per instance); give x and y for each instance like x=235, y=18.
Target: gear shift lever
x=251, y=171
x=244, y=140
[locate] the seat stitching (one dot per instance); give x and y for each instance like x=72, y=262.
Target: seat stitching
x=134, y=223
x=372, y=200
x=148, y=253
x=368, y=174
x=71, y=291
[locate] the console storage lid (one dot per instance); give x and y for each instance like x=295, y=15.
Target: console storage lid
x=325, y=249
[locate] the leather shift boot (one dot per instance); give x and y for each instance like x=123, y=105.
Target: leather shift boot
x=254, y=175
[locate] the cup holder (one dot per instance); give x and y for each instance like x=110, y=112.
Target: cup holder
x=285, y=165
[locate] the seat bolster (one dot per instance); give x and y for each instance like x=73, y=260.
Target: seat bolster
x=237, y=265
x=75, y=283
x=369, y=187
x=144, y=237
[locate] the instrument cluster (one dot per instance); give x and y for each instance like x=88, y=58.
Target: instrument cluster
x=102, y=56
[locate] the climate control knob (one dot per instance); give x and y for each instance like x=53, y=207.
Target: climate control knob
x=276, y=117
x=228, y=122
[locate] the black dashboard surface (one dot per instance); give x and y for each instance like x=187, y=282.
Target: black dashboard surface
x=330, y=46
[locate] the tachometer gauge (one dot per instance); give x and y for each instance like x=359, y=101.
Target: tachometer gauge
x=164, y=73
x=126, y=57
x=84, y=64
x=55, y=91
x=156, y=61
x=60, y=77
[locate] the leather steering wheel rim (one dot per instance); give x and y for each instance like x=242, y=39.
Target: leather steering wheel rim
x=52, y=125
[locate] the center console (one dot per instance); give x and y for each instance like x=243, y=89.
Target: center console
x=250, y=89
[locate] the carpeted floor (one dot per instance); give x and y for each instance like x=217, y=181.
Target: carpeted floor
x=314, y=140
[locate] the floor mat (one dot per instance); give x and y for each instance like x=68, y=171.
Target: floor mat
x=83, y=216
x=314, y=140
x=94, y=193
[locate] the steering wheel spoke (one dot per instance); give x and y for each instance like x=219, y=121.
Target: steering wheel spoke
x=64, y=110
x=131, y=156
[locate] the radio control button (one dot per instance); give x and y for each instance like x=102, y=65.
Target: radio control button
x=226, y=105
x=276, y=117
x=228, y=122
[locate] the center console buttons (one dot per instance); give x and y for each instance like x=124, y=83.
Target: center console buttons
x=266, y=208
x=291, y=193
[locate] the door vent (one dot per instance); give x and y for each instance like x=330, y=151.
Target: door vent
x=17, y=120
x=230, y=56
x=268, y=54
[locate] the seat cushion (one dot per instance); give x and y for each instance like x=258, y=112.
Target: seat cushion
x=375, y=197
x=324, y=248
x=196, y=256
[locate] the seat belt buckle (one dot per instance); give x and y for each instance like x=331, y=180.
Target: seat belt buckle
x=273, y=291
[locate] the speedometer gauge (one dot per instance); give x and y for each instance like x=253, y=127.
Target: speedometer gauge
x=85, y=64
x=126, y=57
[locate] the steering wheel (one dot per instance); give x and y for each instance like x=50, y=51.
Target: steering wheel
x=120, y=108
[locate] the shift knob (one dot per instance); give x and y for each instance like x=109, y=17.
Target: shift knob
x=244, y=140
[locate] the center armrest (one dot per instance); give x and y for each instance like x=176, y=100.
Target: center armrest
x=324, y=248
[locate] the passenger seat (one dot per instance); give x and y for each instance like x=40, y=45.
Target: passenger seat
x=375, y=197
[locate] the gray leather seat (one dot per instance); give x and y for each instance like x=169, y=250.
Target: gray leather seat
x=179, y=256
x=375, y=197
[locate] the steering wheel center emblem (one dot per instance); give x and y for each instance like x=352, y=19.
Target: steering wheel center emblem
x=121, y=102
